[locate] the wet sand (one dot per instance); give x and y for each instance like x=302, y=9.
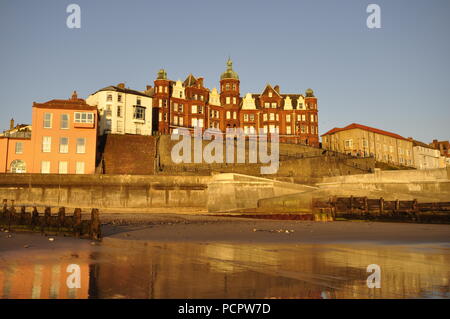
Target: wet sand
x=201, y=228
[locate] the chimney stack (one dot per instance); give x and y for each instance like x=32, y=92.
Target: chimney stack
x=277, y=89
x=74, y=95
x=200, y=81
x=121, y=85
x=11, y=124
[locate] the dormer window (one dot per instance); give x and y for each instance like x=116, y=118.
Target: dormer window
x=138, y=101
x=270, y=93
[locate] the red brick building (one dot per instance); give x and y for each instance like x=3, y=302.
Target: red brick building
x=189, y=104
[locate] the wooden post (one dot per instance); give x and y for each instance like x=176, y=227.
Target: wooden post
x=47, y=218
x=397, y=207
x=61, y=218
x=381, y=206
x=351, y=205
x=77, y=222
x=34, y=217
x=366, y=206
x=5, y=206
x=95, y=229
x=23, y=215
x=415, y=209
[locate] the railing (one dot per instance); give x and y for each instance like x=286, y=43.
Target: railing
x=49, y=224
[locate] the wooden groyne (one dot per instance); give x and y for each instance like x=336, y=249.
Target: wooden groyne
x=49, y=224
x=380, y=209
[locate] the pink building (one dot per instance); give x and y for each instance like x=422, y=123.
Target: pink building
x=63, y=140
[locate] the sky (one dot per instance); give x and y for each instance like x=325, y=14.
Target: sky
x=395, y=78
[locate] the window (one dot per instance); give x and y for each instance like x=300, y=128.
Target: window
x=391, y=149
x=228, y=115
x=234, y=86
x=270, y=93
x=194, y=109
x=81, y=145
x=312, y=118
x=119, y=111
x=18, y=166
x=79, y=168
x=299, y=118
x=365, y=143
x=194, y=122
x=272, y=116
x=45, y=167
x=109, y=98
x=303, y=117
x=252, y=117
x=46, y=144
x=48, y=120
x=64, y=121
x=266, y=104
x=274, y=105
x=265, y=117
x=288, y=118
x=19, y=147
x=348, y=143
x=62, y=168
x=227, y=86
x=300, y=105
x=234, y=100
x=84, y=117
x=227, y=100
x=139, y=113
x=200, y=122
x=180, y=108
x=180, y=121
x=64, y=145
x=288, y=129
x=119, y=98
x=245, y=117
x=138, y=101
x=234, y=115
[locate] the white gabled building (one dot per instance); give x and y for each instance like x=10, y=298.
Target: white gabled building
x=122, y=110
x=425, y=156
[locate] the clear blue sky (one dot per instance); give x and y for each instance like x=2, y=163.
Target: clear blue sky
x=395, y=78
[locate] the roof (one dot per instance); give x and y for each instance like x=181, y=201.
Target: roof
x=419, y=143
x=71, y=104
x=124, y=90
x=365, y=128
x=190, y=81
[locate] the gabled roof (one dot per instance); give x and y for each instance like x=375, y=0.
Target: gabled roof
x=123, y=90
x=365, y=128
x=270, y=87
x=190, y=81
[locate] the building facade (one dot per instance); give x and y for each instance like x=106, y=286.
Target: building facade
x=360, y=140
x=63, y=140
x=426, y=156
x=190, y=104
x=444, y=149
x=122, y=110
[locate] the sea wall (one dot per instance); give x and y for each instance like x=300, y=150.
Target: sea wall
x=105, y=191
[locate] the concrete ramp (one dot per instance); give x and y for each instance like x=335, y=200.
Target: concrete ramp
x=230, y=191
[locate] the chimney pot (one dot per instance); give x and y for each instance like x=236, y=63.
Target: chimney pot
x=11, y=124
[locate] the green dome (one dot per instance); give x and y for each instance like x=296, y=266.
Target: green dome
x=309, y=93
x=162, y=75
x=229, y=73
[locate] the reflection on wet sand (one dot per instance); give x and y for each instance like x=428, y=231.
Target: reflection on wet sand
x=136, y=269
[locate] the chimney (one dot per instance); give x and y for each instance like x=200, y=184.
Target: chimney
x=277, y=88
x=200, y=81
x=74, y=95
x=148, y=87
x=121, y=85
x=11, y=124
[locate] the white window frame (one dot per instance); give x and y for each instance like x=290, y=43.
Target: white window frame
x=50, y=120
x=46, y=144
x=45, y=167
x=62, y=149
x=80, y=168
x=63, y=167
x=81, y=148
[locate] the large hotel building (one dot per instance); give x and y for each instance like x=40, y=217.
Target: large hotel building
x=190, y=104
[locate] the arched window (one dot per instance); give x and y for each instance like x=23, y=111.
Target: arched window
x=227, y=86
x=18, y=166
